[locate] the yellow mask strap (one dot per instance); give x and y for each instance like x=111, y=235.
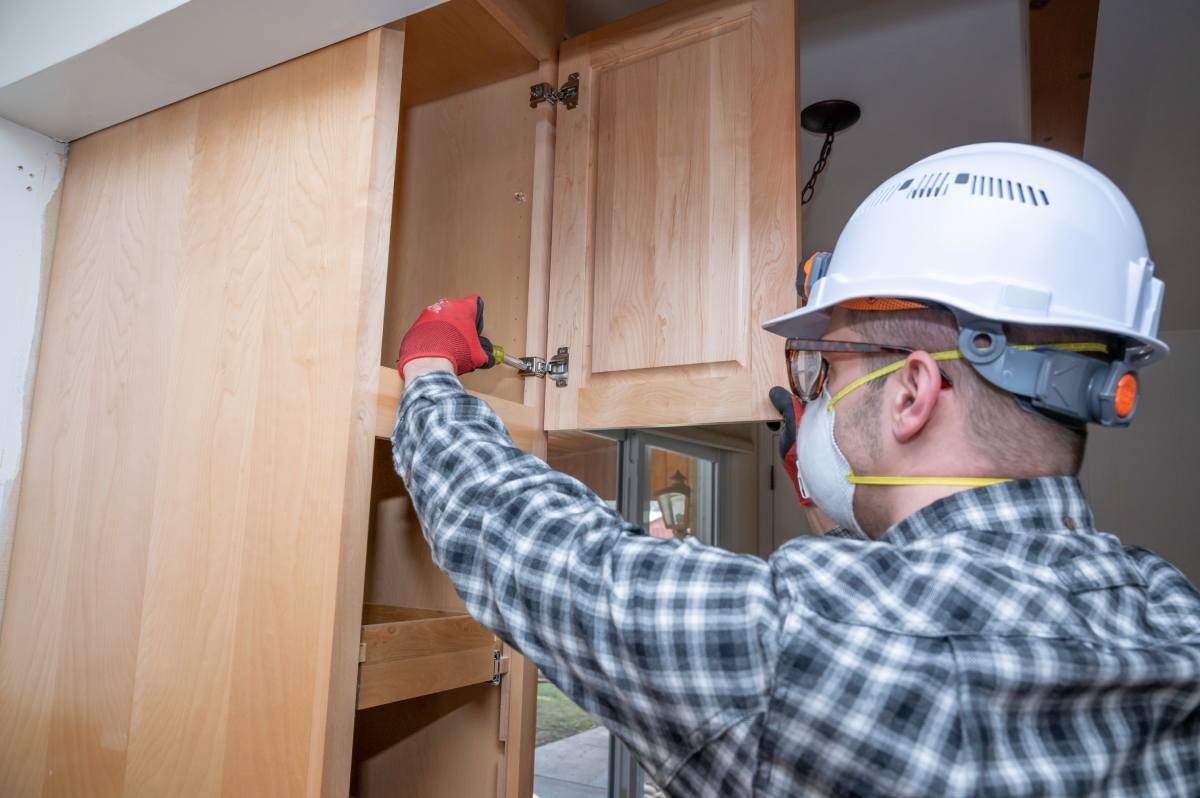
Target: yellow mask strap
x=954, y=354
x=965, y=482
x=950, y=354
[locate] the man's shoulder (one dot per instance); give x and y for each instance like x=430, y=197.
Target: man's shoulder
x=919, y=590
x=971, y=583
x=1172, y=600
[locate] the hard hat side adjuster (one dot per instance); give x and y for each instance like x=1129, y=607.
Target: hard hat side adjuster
x=1067, y=386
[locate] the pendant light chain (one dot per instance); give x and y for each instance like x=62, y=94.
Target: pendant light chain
x=811, y=186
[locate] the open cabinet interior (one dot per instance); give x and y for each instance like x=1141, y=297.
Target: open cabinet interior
x=428, y=717
x=469, y=208
x=477, y=174
x=470, y=204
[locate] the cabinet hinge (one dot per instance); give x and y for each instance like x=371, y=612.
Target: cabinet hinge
x=557, y=367
x=499, y=666
x=567, y=94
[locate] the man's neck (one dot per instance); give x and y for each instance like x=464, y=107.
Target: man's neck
x=880, y=507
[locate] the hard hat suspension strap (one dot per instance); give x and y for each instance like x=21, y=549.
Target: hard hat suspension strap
x=1061, y=380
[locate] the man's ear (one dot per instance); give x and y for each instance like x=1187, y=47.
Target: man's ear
x=918, y=388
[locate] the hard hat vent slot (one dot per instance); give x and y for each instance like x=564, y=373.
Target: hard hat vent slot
x=1002, y=188
x=885, y=194
x=939, y=184
x=930, y=185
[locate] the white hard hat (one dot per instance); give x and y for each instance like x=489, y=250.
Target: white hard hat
x=1008, y=233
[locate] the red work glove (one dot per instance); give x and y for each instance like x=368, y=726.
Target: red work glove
x=791, y=408
x=450, y=328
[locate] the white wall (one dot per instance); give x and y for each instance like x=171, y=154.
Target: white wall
x=928, y=74
x=31, y=169
x=1142, y=128
x=1141, y=481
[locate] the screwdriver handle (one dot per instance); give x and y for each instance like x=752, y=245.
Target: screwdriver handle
x=503, y=357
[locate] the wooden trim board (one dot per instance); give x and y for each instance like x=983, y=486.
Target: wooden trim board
x=521, y=420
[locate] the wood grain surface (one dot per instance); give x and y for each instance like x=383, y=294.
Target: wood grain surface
x=1062, y=42
x=437, y=65
x=675, y=225
x=463, y=219
x=183, y=613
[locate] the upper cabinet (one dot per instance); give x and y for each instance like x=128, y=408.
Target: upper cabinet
x=648, y=230
x=675, y=223
x=204, y=506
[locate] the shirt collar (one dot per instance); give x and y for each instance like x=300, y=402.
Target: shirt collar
x=1046, y=504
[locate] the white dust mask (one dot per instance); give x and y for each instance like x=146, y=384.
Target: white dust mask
x=822, y=468
x=825, y=473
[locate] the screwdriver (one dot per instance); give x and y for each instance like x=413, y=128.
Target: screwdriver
x=503, y=357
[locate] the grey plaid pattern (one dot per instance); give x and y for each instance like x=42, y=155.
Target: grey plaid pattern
x=994, y=643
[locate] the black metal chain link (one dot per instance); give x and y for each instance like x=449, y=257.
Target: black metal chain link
x=818, y=168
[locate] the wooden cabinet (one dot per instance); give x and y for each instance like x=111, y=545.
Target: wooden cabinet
x=208, y=499
x=675, y=216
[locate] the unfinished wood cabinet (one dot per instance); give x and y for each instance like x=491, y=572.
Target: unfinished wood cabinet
x=675, y=216
x=219, y=586
x=674, y=226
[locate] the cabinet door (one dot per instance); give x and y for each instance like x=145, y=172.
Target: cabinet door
x=183, y=611
x=675, y=224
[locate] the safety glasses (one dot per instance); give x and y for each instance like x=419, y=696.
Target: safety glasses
x=808, y=368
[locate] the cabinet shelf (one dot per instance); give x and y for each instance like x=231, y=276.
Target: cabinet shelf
x=406, y=653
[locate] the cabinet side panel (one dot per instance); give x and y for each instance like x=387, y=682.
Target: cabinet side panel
x=71, y=629
x=333, y=720
x=196, y=423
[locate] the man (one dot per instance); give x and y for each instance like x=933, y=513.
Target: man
x=968, y=631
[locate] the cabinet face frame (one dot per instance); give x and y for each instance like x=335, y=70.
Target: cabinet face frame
x=645, y=377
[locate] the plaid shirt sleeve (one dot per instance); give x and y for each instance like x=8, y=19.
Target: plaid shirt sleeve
x=672, y=644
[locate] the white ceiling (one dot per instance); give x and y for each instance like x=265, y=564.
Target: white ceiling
x=66, y=73
x=931, y=74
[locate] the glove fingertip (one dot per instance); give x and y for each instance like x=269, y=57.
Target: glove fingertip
x=781, y=398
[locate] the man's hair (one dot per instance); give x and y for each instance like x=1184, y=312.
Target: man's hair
x=1014, y=439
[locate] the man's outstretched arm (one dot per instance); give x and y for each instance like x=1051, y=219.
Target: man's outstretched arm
x=672, y=644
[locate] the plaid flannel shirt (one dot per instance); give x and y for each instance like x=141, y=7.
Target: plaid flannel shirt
x=993, y=643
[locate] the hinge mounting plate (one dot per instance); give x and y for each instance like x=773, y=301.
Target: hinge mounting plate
x=499, y=665
x=567, y=94
x=557, y=368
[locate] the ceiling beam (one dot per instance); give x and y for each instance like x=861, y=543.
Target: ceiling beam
x=1062, y=40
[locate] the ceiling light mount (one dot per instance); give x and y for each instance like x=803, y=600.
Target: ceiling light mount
x=829, y=116
x=826, y=117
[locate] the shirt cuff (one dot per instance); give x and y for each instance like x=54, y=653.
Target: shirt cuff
x=433, y=386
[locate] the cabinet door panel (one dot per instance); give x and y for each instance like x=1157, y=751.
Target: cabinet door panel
x=672, y=251
x=675, y=229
